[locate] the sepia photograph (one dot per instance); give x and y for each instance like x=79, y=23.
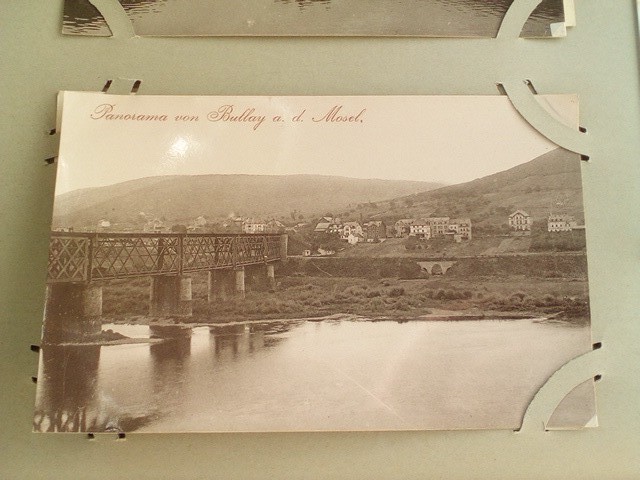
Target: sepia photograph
x=419, y=18
x=320, y=263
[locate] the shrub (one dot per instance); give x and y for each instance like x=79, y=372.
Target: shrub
x=416, y=301
x=377, y=304
x=401, y=304
x=356, y=291
x=396, y=292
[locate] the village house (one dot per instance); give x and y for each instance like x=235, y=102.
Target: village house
x=320, y=252
x=352, y=239
x=375, y=230
x=324, y=224
x=403, y=227
x=155, y=226
x=104, y=225
x=200, y=222
x=233, y=225
x=439, y=225
x=335, y=227
x=275, y=226
x=520, y=221
x=252, y=226
x=561, y=223
x=198, y=225
x=420, y=229
x=461, y=228
x=350, y=228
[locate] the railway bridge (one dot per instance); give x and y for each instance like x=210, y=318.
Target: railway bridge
x=80, y=263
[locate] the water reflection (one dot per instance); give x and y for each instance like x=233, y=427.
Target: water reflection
x=67, y=383
x=298, y=375
x=313, y=17
x=81, y=17
x=226, y=341
x=238, y=340
x=169, y=360
x=142, y=7
x=76, y=392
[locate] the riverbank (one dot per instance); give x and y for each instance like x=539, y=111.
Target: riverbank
x=395, y=288
x=439, y=315
x=435, y=298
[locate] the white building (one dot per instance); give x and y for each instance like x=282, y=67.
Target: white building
x=253, y=226
x=104, y=224
x=351, y=228
x=200, y=222
x=421, y=229
x=561, y=223
x=155, y=226
x=352, y=239
x=520, y=221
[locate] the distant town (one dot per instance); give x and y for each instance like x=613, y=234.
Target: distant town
x=328, y=234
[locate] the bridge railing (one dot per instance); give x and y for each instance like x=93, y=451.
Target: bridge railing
x=83, y=257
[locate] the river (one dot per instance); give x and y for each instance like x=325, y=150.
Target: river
x=466, y=18
x=307, y=375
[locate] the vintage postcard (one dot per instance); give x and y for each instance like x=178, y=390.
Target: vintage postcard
x=227, y=264
x=421, y=18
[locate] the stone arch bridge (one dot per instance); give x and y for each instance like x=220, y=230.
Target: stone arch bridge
x=437, y=267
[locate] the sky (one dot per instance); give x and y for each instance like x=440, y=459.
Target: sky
x=447, y=139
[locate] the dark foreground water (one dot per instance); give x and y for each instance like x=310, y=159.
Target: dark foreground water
x=302, y=375
x=312, y=17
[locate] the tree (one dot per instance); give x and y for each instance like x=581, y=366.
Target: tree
x=179, y=229
x=412, y=243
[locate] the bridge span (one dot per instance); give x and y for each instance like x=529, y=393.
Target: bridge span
x=79, y=264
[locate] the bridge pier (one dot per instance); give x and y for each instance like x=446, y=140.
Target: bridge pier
x=240, y=286
x=271, y=276
x=220, y=285
x=72, y=312
x=170, y=296
x=260, y=277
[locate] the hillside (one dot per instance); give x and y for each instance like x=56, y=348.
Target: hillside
x=185, y=197
x=549, y=183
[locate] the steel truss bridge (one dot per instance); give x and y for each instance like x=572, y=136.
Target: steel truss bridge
x=90, y=257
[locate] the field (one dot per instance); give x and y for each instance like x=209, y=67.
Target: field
x=395, y=247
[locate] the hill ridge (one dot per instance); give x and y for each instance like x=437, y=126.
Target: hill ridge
x=550, y=183
x=183, y=197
